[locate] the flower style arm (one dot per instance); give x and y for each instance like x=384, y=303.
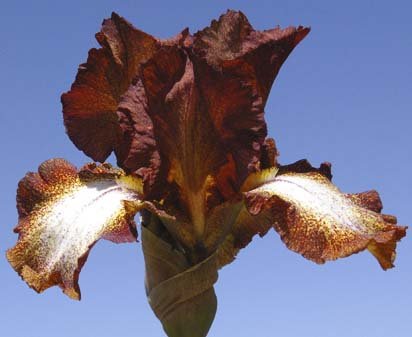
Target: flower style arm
x=63, y=212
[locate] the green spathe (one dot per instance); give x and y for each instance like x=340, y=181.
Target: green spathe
x=181, y=296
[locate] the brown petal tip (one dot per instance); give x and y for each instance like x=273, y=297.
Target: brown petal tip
x=383, y=246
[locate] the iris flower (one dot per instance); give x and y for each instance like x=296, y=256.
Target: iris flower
x=185, y=119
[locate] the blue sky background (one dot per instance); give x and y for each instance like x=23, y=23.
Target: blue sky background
x=343, y=96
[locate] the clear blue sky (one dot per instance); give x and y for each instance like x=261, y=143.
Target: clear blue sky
x=343, y=96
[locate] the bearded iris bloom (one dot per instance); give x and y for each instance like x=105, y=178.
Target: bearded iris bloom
x=185, y=119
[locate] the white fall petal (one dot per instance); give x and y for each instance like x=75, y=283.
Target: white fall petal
x=318, y=221
x=56, y=234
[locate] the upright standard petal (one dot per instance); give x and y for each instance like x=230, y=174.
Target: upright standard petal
x=63, y=213
x=187, y=139
x=207, y=113
x=231, y=44
x=316, y=220
x=185, y=112
x=235, y=67
x=90, y=107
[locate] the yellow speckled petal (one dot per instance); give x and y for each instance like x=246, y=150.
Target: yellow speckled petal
x=318, y=221
x=62, y=213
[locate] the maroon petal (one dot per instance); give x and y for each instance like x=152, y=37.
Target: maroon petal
x=188, y=111
x=206, y=106
x=235, y=67
x=89, y=108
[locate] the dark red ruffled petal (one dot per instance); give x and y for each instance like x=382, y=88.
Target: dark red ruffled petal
x=231, y=44
x=89, y=108
x=207, y=111
x=235, y=67
x=114, y=102
x=188, y=111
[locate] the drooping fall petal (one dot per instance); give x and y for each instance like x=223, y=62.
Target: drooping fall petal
x=316, y=220
x=62, y=213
